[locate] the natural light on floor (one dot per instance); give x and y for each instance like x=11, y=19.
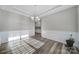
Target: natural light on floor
x=18, y=37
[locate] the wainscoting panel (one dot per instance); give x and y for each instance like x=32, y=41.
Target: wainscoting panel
x=5, y=35
x=60, y=36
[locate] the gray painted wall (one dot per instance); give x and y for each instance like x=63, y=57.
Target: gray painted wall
x=61, y=21
x=78, y=25
x=14, y=24
x=11, y=21
x=78, y=18
x=60, y=25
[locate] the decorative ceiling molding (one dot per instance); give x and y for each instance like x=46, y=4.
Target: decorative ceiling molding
x=20, y=10
x=37, y=10
x=55, y=10
x=50, y=9
x=13, y=10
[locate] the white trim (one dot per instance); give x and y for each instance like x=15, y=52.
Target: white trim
x=60, y=36
x=4, y=35
x=56, y=10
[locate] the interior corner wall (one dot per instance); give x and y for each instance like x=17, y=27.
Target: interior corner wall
x=78, y=25
x=78, y=17
x=12, y=23
x=58, y=26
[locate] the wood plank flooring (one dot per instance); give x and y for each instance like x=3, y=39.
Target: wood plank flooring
x=49, y=47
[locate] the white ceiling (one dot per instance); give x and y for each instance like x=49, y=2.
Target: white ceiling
x=35, y=10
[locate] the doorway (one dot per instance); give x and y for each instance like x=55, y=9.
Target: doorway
x=38, y=28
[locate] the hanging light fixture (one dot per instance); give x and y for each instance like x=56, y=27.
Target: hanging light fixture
x=35, y=18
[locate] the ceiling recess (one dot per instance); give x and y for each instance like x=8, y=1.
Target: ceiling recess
x=35, y=10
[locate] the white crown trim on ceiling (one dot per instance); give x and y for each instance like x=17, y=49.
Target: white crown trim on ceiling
x=58, y=9
x=53, y=10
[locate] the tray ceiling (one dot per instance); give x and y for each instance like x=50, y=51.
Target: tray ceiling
x=35, y=10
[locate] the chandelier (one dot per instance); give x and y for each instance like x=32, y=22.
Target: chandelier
x=36, y=19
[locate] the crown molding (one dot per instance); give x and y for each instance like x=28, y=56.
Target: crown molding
x=56, y=10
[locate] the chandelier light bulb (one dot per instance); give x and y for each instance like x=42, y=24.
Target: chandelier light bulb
x=32, y=17
x=37, y=18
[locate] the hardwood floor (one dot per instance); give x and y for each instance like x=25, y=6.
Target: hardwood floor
x=36, y=45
